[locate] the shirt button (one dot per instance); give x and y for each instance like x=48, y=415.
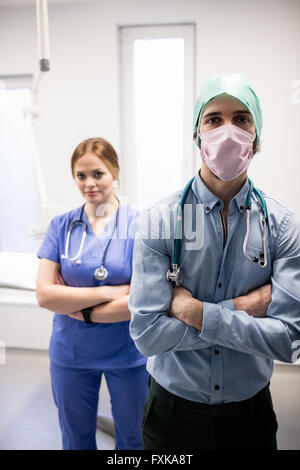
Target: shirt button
x=218, y=204
x=217, y=387
x=242, y=208
x=220, y=285
x=217, y=352
x=207, y=208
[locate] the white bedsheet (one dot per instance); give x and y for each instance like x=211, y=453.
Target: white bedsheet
x=18, y=270
x=23, y=323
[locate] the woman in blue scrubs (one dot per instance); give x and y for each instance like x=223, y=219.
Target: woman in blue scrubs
x=91, y=323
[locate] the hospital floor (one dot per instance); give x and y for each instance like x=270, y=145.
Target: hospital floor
x=28, y=416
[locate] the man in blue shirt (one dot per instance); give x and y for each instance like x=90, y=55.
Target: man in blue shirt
x=211, y=342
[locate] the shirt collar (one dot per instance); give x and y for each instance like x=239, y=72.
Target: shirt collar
x=210, y=200
x=241, y=196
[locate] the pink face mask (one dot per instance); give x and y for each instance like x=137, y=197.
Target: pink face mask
x=227, y=151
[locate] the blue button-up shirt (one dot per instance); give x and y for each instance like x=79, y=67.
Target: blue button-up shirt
x=231, y=358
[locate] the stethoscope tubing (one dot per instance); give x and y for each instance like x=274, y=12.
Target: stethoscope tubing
x=84, y=232
x=81, y=222
x=175, y=274
x=179, y=223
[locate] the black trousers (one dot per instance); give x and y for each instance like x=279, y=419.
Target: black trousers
x=171, y=422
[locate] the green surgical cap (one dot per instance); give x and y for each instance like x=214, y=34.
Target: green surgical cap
x=235, y=85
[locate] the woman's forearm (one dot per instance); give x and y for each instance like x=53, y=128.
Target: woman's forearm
x=112, y=312
x=66, y=299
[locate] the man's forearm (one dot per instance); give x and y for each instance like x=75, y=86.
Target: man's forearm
x=192, y=313
x=189, y=310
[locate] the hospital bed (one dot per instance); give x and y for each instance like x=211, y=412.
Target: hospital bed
x=23, y=323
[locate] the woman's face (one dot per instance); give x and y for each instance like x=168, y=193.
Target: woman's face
x=93, y=179
x=226, y=109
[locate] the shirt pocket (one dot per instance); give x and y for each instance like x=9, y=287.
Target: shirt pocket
x=252, y=274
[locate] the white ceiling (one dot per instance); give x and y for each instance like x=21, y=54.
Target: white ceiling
x=17, y=3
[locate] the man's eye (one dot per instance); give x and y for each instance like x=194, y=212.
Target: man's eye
x=213, y=120
x=242, y=119
x=99, y=174
x=80, y=176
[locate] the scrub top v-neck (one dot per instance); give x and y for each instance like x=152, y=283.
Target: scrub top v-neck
x=98, y=345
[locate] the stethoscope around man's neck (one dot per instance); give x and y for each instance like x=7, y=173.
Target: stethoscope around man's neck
x=175, y=273
x=100, y=273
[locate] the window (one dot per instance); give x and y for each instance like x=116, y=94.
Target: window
x=18, y=211
x=157, y=97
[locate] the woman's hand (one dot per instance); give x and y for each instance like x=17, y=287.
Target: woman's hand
x=76, y=316
x=114, y=311
x=58, y=279
x=110, y=293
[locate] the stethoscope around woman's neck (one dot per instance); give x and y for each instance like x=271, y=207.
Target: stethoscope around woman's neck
x=100, y=273
x=175, y=273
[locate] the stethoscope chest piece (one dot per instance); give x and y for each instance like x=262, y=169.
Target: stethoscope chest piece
x=100, y=273
x=175, y=275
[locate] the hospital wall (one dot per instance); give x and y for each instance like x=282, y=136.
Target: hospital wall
x=80, y=96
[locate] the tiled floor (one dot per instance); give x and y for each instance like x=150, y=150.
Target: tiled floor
x=28, y=416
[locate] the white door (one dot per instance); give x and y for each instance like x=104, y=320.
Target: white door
x=157, y=98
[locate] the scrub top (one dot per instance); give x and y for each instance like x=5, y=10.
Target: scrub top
x=75, y=343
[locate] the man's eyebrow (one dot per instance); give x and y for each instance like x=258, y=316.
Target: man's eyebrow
x=242, y=111
x=218, y=113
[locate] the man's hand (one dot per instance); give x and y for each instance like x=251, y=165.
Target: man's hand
x=256, y=302
x=185, y=308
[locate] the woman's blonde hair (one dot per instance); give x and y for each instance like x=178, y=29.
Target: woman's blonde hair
x=102, y=149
